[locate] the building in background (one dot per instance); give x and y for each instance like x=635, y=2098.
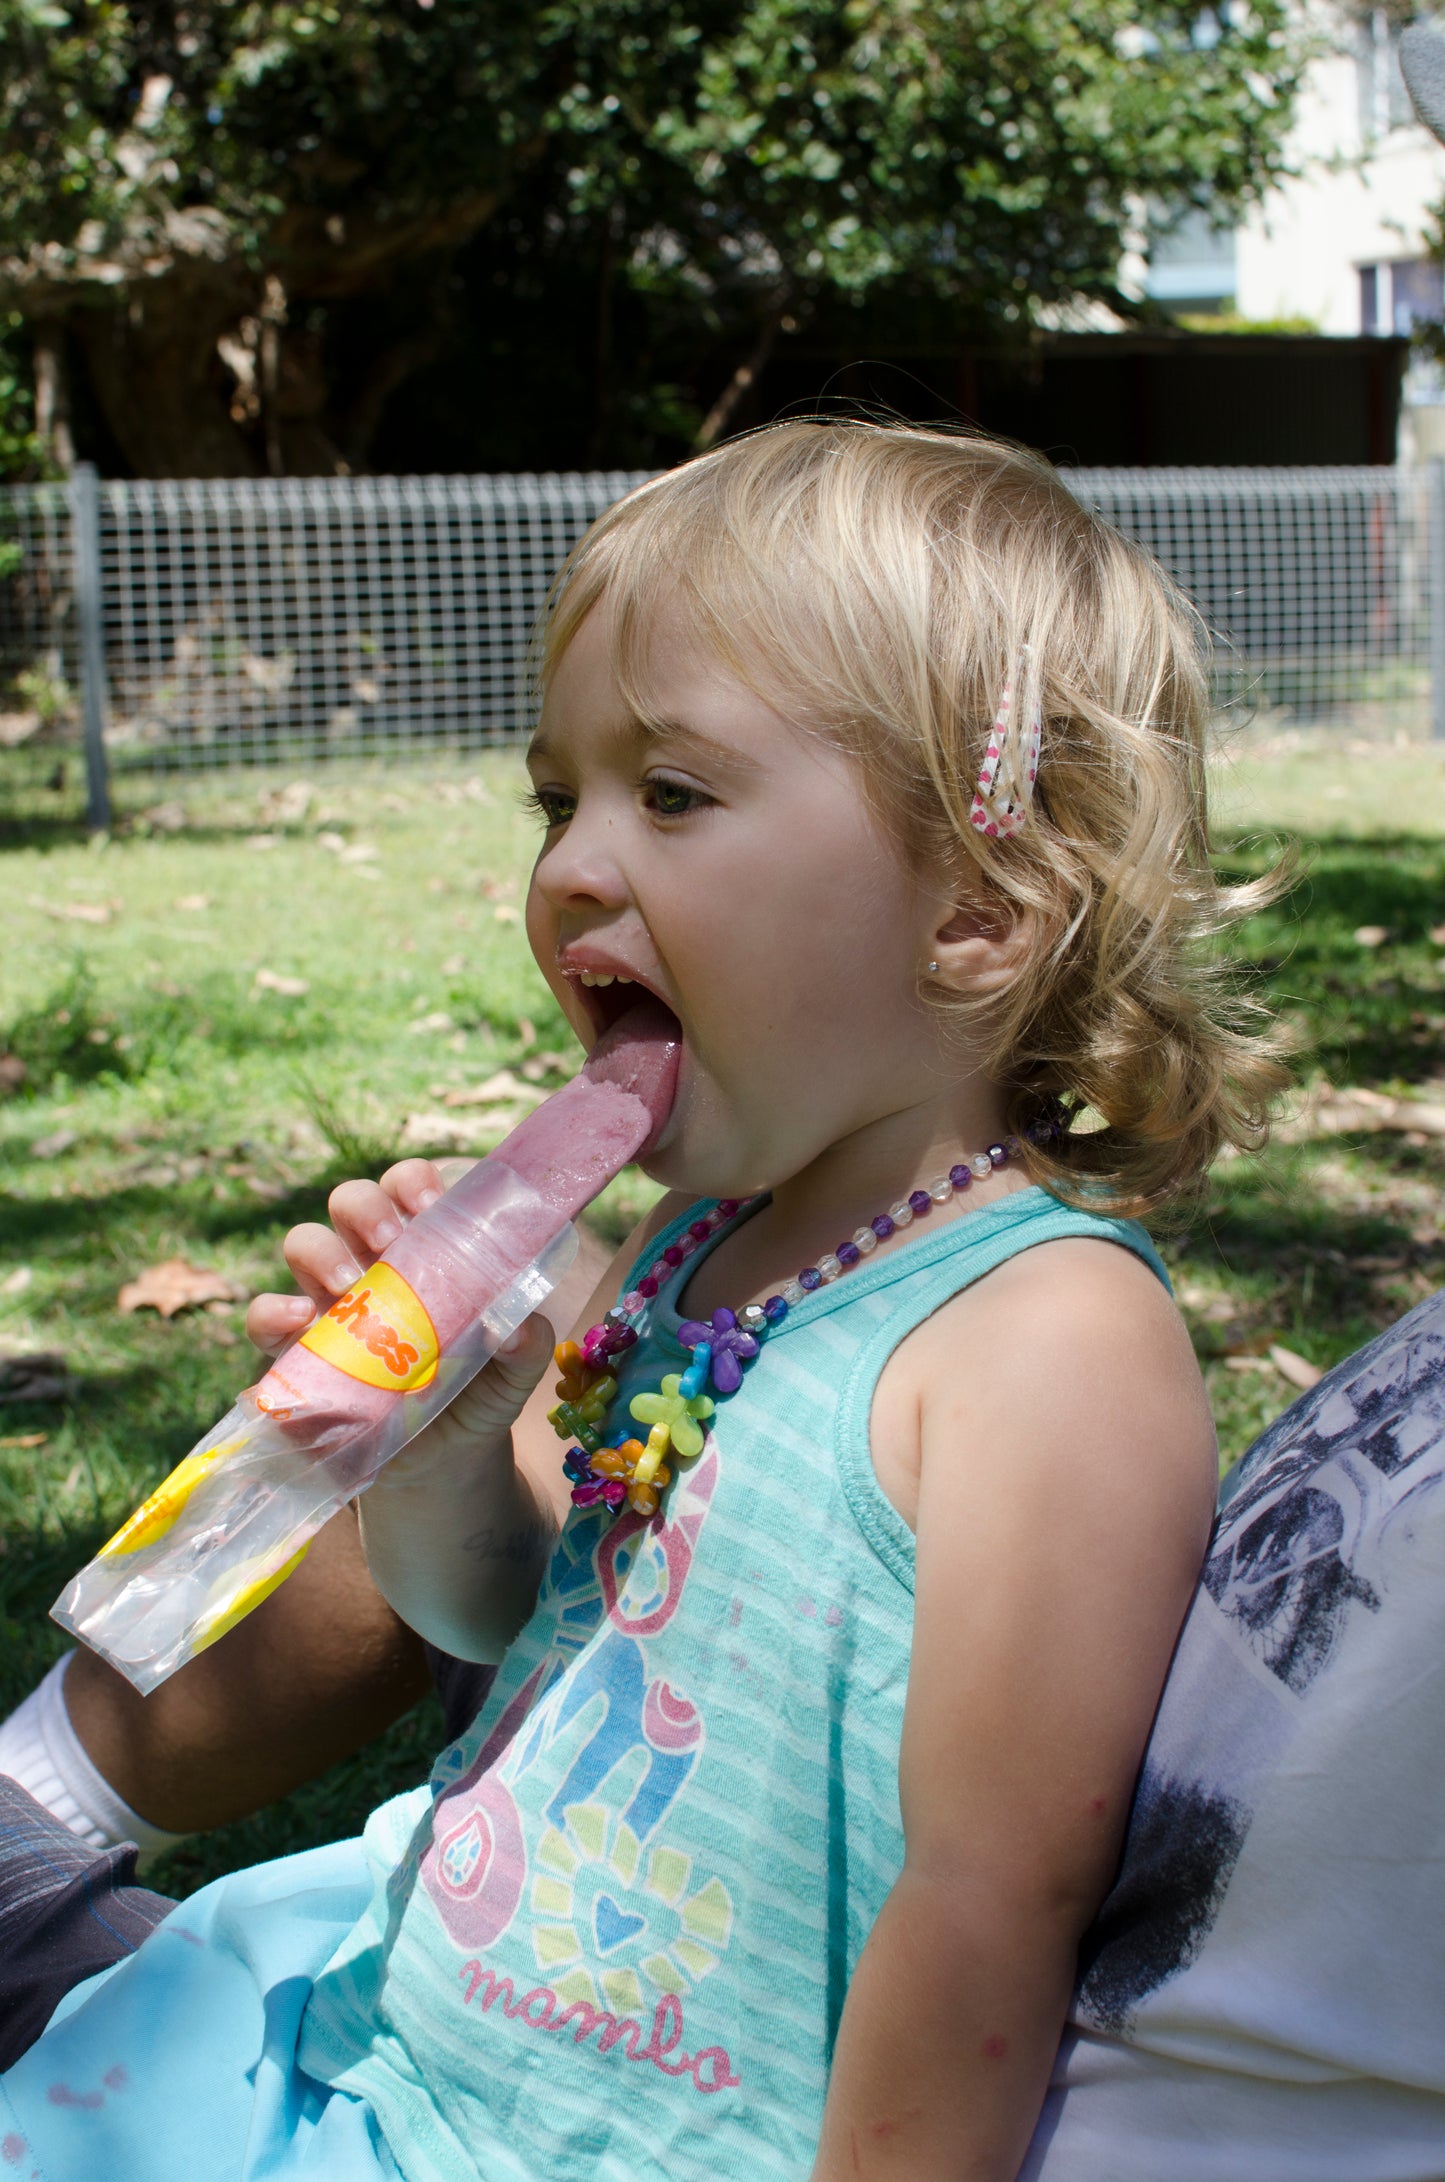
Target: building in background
x=1344, y=245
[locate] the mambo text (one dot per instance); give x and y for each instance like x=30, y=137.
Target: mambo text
x=542, y=2009
x=379, y=1339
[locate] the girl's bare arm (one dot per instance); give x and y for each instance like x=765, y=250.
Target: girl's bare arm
x=1067, y=1482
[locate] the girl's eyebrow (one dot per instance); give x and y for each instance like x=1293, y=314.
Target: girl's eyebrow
x=638, y=732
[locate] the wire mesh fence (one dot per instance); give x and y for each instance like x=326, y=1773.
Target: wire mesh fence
x=242, y=621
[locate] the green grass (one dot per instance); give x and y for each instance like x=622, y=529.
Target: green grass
x=174, y=1105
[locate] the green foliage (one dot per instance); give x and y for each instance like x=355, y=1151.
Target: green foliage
x=746, y=158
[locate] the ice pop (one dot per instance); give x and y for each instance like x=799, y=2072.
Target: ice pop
x=236, y=1516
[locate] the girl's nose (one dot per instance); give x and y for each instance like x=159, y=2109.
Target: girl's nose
x=581, y=868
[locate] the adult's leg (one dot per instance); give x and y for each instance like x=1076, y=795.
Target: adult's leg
x=65, y=1913
x=319, y=1670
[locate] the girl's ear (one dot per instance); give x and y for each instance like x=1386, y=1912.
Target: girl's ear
x=980, y=946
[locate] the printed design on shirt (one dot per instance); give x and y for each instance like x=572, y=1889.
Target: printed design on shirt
x=636, y=1915
x=616, y=1915
x=1328, y=1497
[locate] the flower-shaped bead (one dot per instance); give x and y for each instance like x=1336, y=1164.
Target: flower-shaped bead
x=731, y=1345
x=683, y=1416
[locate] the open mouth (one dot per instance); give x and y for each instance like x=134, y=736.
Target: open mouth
x=607, y=998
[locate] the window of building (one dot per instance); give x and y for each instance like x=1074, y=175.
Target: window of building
x=1191, y=262
x=1400, y=294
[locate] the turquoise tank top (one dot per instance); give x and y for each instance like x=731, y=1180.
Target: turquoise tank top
x=612, y=1939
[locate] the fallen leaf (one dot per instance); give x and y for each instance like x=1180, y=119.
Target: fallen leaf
x=439, y=1020
x=263, y=840
x=1245, y=1363
x=77, y=912
x=497, y=890
x=505, y=914
x=454, y=965
x=1437, y=934
x=336, y=842
x=438, y=1132
x=165, y=818
x=1371, y=935
x=438, y=886
x=13, y=1072
x=1350, y=1112
x=289, y=805
x=39, y=1378
x=175, y=1285
x=1298, y=1370
x=273, y=981
x=503, y=1086
x=16, y=1283
x=24, y=1439
x=360, y=852
x=526, y=1030
x=193, y=901
x=51, y=1147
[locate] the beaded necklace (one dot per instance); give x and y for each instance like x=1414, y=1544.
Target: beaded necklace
x=613, y=1468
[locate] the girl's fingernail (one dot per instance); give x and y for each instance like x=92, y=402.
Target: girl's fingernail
x=347, y=1273
x=384, y=1232
x=428, y=1197
x=297, y=1307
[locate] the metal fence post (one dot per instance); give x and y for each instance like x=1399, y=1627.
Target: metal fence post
x=89, y=607
x=1436, y=536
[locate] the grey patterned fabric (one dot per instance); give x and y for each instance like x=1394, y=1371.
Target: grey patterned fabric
x=65, y=1912
x=1422, y=58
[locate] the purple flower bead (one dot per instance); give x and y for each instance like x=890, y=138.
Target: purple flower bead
x=921, y=1203
x=729, y=1347
x=847, y=1253
x=810, y=1278
x=960, y=1177
x=882, y=1227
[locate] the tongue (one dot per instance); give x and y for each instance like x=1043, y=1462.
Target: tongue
x=639, y=1053
x=575, y=1142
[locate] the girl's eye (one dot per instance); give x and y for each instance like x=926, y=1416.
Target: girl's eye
x=672, y=798
x=554, y=806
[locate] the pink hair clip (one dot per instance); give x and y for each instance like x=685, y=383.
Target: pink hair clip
x=1011, y=765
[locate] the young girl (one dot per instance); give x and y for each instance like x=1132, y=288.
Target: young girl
x=878, y=761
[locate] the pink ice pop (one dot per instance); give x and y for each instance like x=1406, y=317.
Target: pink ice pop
x=375, y=1343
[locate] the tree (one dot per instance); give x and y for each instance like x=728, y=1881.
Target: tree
x=235, y=224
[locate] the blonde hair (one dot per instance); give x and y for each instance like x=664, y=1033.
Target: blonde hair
x=875, y=584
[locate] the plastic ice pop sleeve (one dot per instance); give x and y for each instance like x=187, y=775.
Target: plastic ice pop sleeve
x=235, y=1518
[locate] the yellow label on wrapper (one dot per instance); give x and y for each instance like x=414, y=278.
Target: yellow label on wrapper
x=154, y=1517
x=378, y=1332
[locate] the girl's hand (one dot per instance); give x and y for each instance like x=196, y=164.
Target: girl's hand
x=326, y=1261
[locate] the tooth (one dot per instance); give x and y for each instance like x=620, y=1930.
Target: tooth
x=603, y=977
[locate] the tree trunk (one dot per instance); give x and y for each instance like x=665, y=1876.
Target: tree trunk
x=158, y=378
x=721, y=414
x=52, y=395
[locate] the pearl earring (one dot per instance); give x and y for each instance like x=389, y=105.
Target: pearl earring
x=933, y=969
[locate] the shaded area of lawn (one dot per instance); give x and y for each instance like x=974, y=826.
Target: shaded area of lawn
x=175, y=1102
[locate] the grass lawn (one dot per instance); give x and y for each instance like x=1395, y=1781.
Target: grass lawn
x=261, y=987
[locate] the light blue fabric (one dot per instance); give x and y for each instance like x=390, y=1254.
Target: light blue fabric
x=612, y=1942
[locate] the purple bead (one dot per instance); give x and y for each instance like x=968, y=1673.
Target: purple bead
x=647, y=1286
x=673, y=1256
x=960, y=1177
x=723, y=1319
x=882, y=1227
x=847, y=1253
x=775, y=1310
x=921, y=1203
x=998, y=1153
x=700, y=1228
x=810, y=1278
x=727, y=1206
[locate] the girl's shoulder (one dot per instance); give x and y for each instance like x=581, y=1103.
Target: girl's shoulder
x=1072, y=1355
